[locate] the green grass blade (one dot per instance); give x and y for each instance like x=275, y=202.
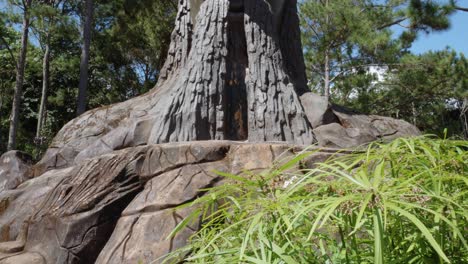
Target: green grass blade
x=424, y=230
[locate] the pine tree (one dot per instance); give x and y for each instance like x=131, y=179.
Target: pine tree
x=15, y=111
x=344, y=38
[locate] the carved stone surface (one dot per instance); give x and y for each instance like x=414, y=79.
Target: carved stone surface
x=119, y=207
x=14, y=166
x=318, y=110
x=143, y=229
x=355, y=129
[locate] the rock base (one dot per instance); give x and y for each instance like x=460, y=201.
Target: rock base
x=120, y=207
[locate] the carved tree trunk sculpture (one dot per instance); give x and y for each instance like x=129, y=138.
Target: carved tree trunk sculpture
x=106, y=192
x=234, y=71
x=234, y=83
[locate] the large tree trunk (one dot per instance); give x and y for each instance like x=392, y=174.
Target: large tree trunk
x=87, y=28
x=235, y=83
x=275, y=112
x=15, y=111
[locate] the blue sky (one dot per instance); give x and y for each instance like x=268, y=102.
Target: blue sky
x=456, y=37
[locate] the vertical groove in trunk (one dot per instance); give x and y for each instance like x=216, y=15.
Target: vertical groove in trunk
x=237, y=62
x=87, y=28
x=291, y=47
x=15, y=111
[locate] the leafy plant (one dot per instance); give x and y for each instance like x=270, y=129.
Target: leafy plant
x=402, y=202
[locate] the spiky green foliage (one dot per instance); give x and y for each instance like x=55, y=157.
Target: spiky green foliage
x=403, y=202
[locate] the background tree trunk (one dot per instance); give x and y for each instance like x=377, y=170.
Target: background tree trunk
x=45, y=87
x=326, y=81
x=87, y=29
x=15, y=111
x=464, y=117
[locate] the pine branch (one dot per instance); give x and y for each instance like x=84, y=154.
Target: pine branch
x=9, y=49
x=396, y=22
x=459, y=8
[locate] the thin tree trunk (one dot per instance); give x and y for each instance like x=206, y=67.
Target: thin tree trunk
x=327, y=59
x=45, y=88
x=83, y=86
x=326, y=86
x=464, y=117
x=15, y=111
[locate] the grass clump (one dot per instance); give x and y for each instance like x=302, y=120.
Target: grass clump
x=401, y=202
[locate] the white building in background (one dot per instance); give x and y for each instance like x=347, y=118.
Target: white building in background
x=380, y=72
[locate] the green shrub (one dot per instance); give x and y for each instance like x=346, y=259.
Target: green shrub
x=402, y=202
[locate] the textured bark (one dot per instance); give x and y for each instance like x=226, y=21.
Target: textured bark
x=197, y=105
x=181, y=39
x=291, y=47
x=235, y=84
x=83, y=85
x=275, y=111
x=15, y=111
